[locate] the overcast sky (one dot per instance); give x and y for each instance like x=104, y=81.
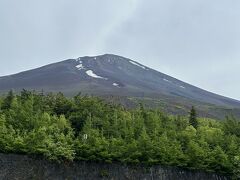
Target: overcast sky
x=197, y=41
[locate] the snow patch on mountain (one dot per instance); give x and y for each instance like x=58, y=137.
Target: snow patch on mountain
x=139, y=65
x=92, y=74
x=78, y=59
x=116, y=84
x=167, y=80
x=174, y=83
x=80, y=65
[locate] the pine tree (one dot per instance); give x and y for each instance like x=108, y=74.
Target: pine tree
x=193, y=118
x=7, y=102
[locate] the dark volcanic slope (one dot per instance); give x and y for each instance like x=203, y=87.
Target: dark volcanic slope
x=108, y=74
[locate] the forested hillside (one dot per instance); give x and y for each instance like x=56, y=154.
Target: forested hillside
x=89, y=129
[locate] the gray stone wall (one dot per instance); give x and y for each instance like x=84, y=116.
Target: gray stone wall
x=22, y=167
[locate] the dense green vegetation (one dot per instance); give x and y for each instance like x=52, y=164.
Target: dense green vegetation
x=87, y=128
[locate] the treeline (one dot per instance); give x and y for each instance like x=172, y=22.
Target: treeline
x=87, y=128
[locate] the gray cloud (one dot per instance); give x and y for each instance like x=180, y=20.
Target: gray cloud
x=195, y=41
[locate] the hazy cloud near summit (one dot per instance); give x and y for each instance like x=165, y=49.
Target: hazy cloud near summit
x=195, y=41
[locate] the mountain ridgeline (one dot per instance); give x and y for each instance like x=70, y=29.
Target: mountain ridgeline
x=113, y=75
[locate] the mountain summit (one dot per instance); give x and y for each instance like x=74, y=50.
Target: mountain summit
x=108, y=75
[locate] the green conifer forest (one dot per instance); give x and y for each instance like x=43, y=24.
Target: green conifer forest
x=89, y=129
